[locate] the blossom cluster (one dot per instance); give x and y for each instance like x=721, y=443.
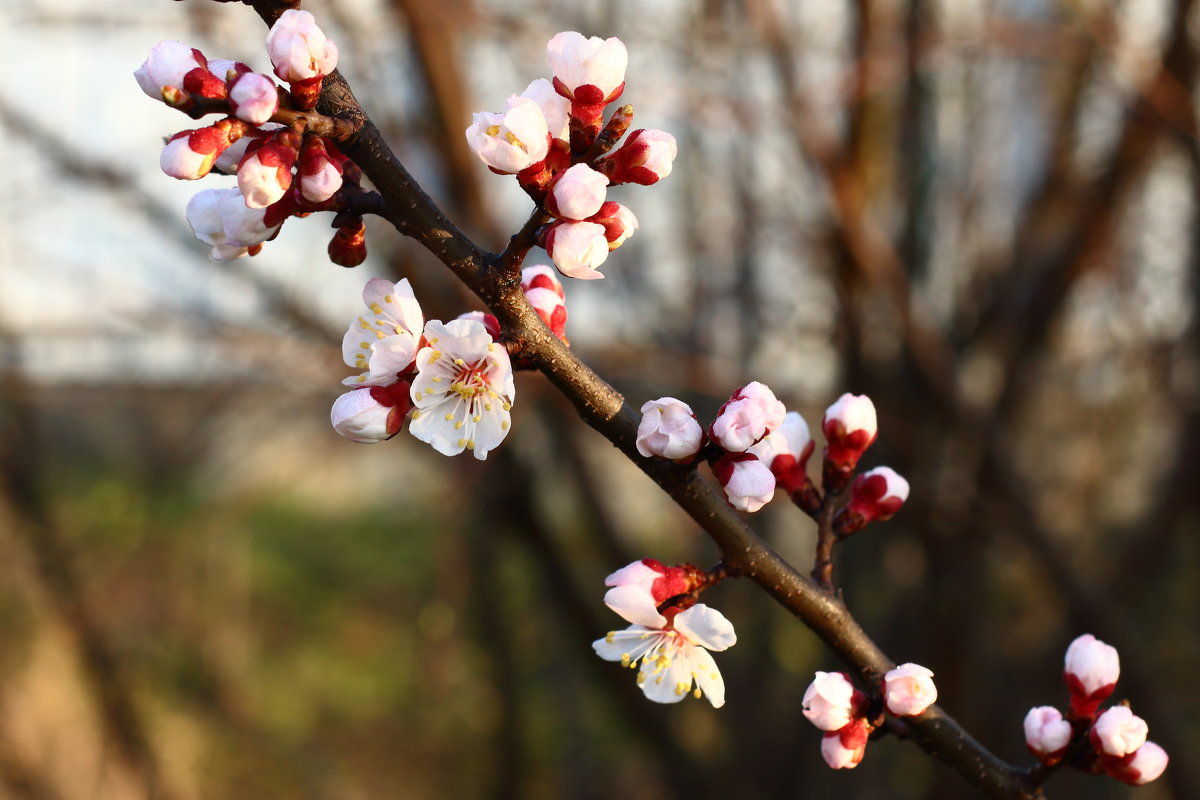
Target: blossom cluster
x=758, y=446
x=552, y=139
x=670, y=634
x=1112, y=741
x=844, y=713
x=281, y=170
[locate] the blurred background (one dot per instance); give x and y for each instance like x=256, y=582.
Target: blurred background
x=979, y=212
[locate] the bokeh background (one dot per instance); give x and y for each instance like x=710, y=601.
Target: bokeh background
x=982, y=213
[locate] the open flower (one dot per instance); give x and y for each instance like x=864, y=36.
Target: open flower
x=511, y=141
x=383, y=341
x=463, y=391
x=673, y=658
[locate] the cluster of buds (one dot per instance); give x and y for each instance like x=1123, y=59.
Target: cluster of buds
x=670, y=634
x=757, y=446
x=452, y=381
x=552, y=139
x=281, y=171
x=1111, y=742
x=848, y=716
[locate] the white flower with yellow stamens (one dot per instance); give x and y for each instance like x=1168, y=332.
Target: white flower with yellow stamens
x=463, y=391
x=673, y=659
x=383, y=341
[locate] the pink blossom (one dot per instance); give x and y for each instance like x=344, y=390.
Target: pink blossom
x=220, y=219
x=578, y=193
x=645, y=158
x=577, y=248
x=850, y=428
x=845, y=748
x=749, y=414
x=551, y=308
x=668, y=430
x=786, y=451
x=908, y=690
x=511, y=141
x=265, y=173
x=372, y=413
x=298, y=48
x=589, y=71
x=831, y=701
x=1047, y=734
x=320, y=174
x=555, y=108
x=254, y=98
x=1147, y=763
x=639, y=588
x=1118, y=732
x=227, y=162
x=875, y=495
x=190, y=155
x=618, y=221
x=488, y=321
x=1090, y=669
x=382, y=342
x=540, y=276
x=167, y=64
x=747, y=482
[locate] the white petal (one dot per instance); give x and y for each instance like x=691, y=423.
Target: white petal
x=668, y=684
x=706, y=627
x=708, y=677
x=635, y=604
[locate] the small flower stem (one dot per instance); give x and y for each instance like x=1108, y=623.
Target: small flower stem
x=314, y=122
x=822, y=571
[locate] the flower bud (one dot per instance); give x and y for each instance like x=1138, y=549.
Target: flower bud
x=577, y=194
x=831, y=701
x=1047, y=734
x=167, y=65
x=587, y=71
x=845, y=748
x=1118, y=732
x=189, y=155
x=618, y=221
x=265, y=173
x=227, y=162
x=639, y=588
x=747, y=416
x=220, y=219
x=348, y=247
x=669, y=430
x=875, y=495
x=320, y=174
x=786, y=451
x=850, y=427
x=551, y=308
x=540, y=276
x=908, y=690
x=645, y=158
x=1147, y=763
x=577, y=248
x=372, y=413
x=512, y=141
x=555, y=108
x=1090, y=669
x=298, y=48
x=488, y=321
x=747, y=482
x=254, y=98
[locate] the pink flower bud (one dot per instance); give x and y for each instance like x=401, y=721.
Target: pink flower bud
x=372, y=413
x=1090, y=669
x=668, y=430
x=646, y=158
x=639, y=588
x=589, y=71
x=845, y=748
x=298, y=48
x=227, y=162
x=618, y=221
x=786, y=450
x=551, y=308
x=320, y=173
x=190, y=155
x=908, y=690
x=555, y=108
x=254, y=98
x=850, y=428
x=875, y=495
x=167, y=65
x=747, y=416
x=220, y=219
x=266, y=170
x=831, y=701
x=1147, y=763
x=512, y=141
x=1047, y=734
x=1118, y=732
x=578, y=193
x=747, y=482
x=539, y=276
x=577, y=248
x=221, y=67
x=488, y=321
